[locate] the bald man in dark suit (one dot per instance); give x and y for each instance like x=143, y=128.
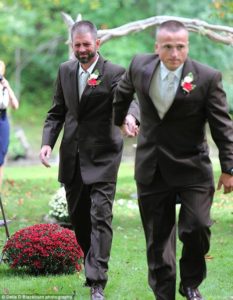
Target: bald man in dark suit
x=177, y=96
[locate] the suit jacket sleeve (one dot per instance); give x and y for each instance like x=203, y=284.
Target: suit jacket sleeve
x=55, y=116
x=220, y=122
x=124, y=96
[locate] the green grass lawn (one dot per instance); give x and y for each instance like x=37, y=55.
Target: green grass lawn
x=26, y=193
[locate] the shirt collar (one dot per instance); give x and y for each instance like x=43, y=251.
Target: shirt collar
x=90, y=69
x=164, y=71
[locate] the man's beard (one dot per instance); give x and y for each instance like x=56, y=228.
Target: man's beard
x=86, y=59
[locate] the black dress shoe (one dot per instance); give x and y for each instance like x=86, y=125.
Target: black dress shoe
x=97, y=292
x=190, y=293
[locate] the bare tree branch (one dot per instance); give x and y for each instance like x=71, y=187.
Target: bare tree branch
x=217, y=33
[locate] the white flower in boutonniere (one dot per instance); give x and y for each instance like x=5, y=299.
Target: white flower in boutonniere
x=93, y=80
x=186, y=83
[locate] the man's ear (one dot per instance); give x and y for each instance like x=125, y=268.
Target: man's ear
x=156, y=48
x=98, y=42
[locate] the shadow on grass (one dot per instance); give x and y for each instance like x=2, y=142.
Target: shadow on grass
x=6, y=271
x=22, y=273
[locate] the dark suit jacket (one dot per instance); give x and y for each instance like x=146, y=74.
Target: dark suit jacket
x=88, y=124
x=177, y=143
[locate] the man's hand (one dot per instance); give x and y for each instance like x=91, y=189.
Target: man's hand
x=129, y=127
x=45, y=153
x=226, y=181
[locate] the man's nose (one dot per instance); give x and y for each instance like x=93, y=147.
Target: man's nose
x=82, y=48
x=174, y=51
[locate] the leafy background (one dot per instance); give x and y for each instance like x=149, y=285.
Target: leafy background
x=33, y=37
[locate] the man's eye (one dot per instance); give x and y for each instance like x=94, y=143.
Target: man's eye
x=180, y=47
x=84, y=45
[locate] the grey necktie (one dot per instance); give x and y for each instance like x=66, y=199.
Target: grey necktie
x=169, y=91
x=82, y=82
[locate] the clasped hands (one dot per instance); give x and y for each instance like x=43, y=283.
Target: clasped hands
x=129, y=127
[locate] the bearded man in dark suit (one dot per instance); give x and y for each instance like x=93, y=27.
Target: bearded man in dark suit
x=91, y=147
x=177, y=96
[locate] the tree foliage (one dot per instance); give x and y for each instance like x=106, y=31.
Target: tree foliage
x=33, y=37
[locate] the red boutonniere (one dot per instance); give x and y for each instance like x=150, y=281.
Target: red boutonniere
x=187, y=84
x=93, y=80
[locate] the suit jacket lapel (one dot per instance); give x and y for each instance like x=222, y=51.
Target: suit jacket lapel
x=73, y=85
x=148, y=73
x=188, y=68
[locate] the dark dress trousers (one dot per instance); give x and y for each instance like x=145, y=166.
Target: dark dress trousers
x=172, y=159
x=90, y=154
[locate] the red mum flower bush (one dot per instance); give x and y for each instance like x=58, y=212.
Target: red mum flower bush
x=44, y=249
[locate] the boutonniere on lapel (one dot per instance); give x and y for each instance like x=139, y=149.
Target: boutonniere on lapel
x=93, y=79
x=187, y=84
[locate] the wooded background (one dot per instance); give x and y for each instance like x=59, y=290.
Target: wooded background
x=33, y=38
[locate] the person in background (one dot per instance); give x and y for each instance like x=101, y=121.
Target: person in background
x=177, y=96
x=91, y=147
x=7, y=99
